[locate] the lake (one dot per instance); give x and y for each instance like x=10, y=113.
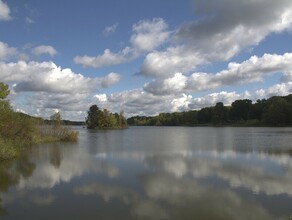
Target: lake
x=153, y=173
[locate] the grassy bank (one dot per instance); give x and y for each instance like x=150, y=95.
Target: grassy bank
x=19, y=131
x=11, y=147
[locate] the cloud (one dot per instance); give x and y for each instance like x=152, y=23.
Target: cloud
x=222, y=30
x=173, y=85
x=48, y=77
x=29, y=20
x=250, y=71
x=211, y=99
x=160, y=95
x=65, y=102
x=110, y=80
x=6, y=52
x=161, y=64
x=108, y=58
x=132, y=102
x=148, y=35
x=139, y=102
x=281, y=89
x=39, y=87
x=4, y=11
x=110, y=29
x=44, y=49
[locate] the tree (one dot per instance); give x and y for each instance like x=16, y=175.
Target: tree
x=205, y=115
x=93, y=117
x=103, y=119
x=279, y=111
x=240, y=110
x=4, y=91
x=190, y=118
x=56, y=119
x=257, y=109
x=220, y=114
x=6, y=113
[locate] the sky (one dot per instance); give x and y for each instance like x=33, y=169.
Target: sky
x=142, y=57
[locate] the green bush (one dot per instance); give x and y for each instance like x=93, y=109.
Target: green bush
x=8, y=150
x=18, y=130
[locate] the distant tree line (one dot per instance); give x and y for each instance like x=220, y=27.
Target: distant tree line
x=66, y=122
x=104, y=119
x=275, y=111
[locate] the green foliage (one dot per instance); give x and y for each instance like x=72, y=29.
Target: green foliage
x=104, y=119
x=4, y=91
x=220, y=114
x=278, y=111
x=7, y=149
x=18, y=130
x=56, y=119
x=240, y=110
x=275, y=111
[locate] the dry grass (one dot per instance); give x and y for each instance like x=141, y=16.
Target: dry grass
x=50, y=133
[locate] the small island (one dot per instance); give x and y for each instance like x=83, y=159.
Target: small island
x=104, y=119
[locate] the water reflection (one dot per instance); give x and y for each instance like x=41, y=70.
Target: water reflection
x=168, y=197
x=194, y=200
x=258, y=172
x=62, y=164
x=110, y=175
x=10, y=174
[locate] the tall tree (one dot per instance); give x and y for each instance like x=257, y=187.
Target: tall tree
x=4, y=91
x=279, y=111
x=220, y=114
x=93, y=117
x=56, y=119
x=240, y=109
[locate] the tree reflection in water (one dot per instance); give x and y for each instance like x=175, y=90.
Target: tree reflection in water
x=12, y=171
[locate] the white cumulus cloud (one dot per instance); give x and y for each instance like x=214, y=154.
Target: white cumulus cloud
x=249, y=71
x=6, y=52
x=110, y=29
x=108, y=58
x=147, y=35
x=48, y=77
x=4, y=11
x=222, y=30
x=44, y=49
x=45, y=86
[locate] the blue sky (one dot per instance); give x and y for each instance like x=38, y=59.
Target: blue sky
x=143, y=57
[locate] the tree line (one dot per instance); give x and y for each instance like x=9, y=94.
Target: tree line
x=275, y=111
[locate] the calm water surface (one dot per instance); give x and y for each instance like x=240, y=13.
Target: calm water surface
x=153, y=173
